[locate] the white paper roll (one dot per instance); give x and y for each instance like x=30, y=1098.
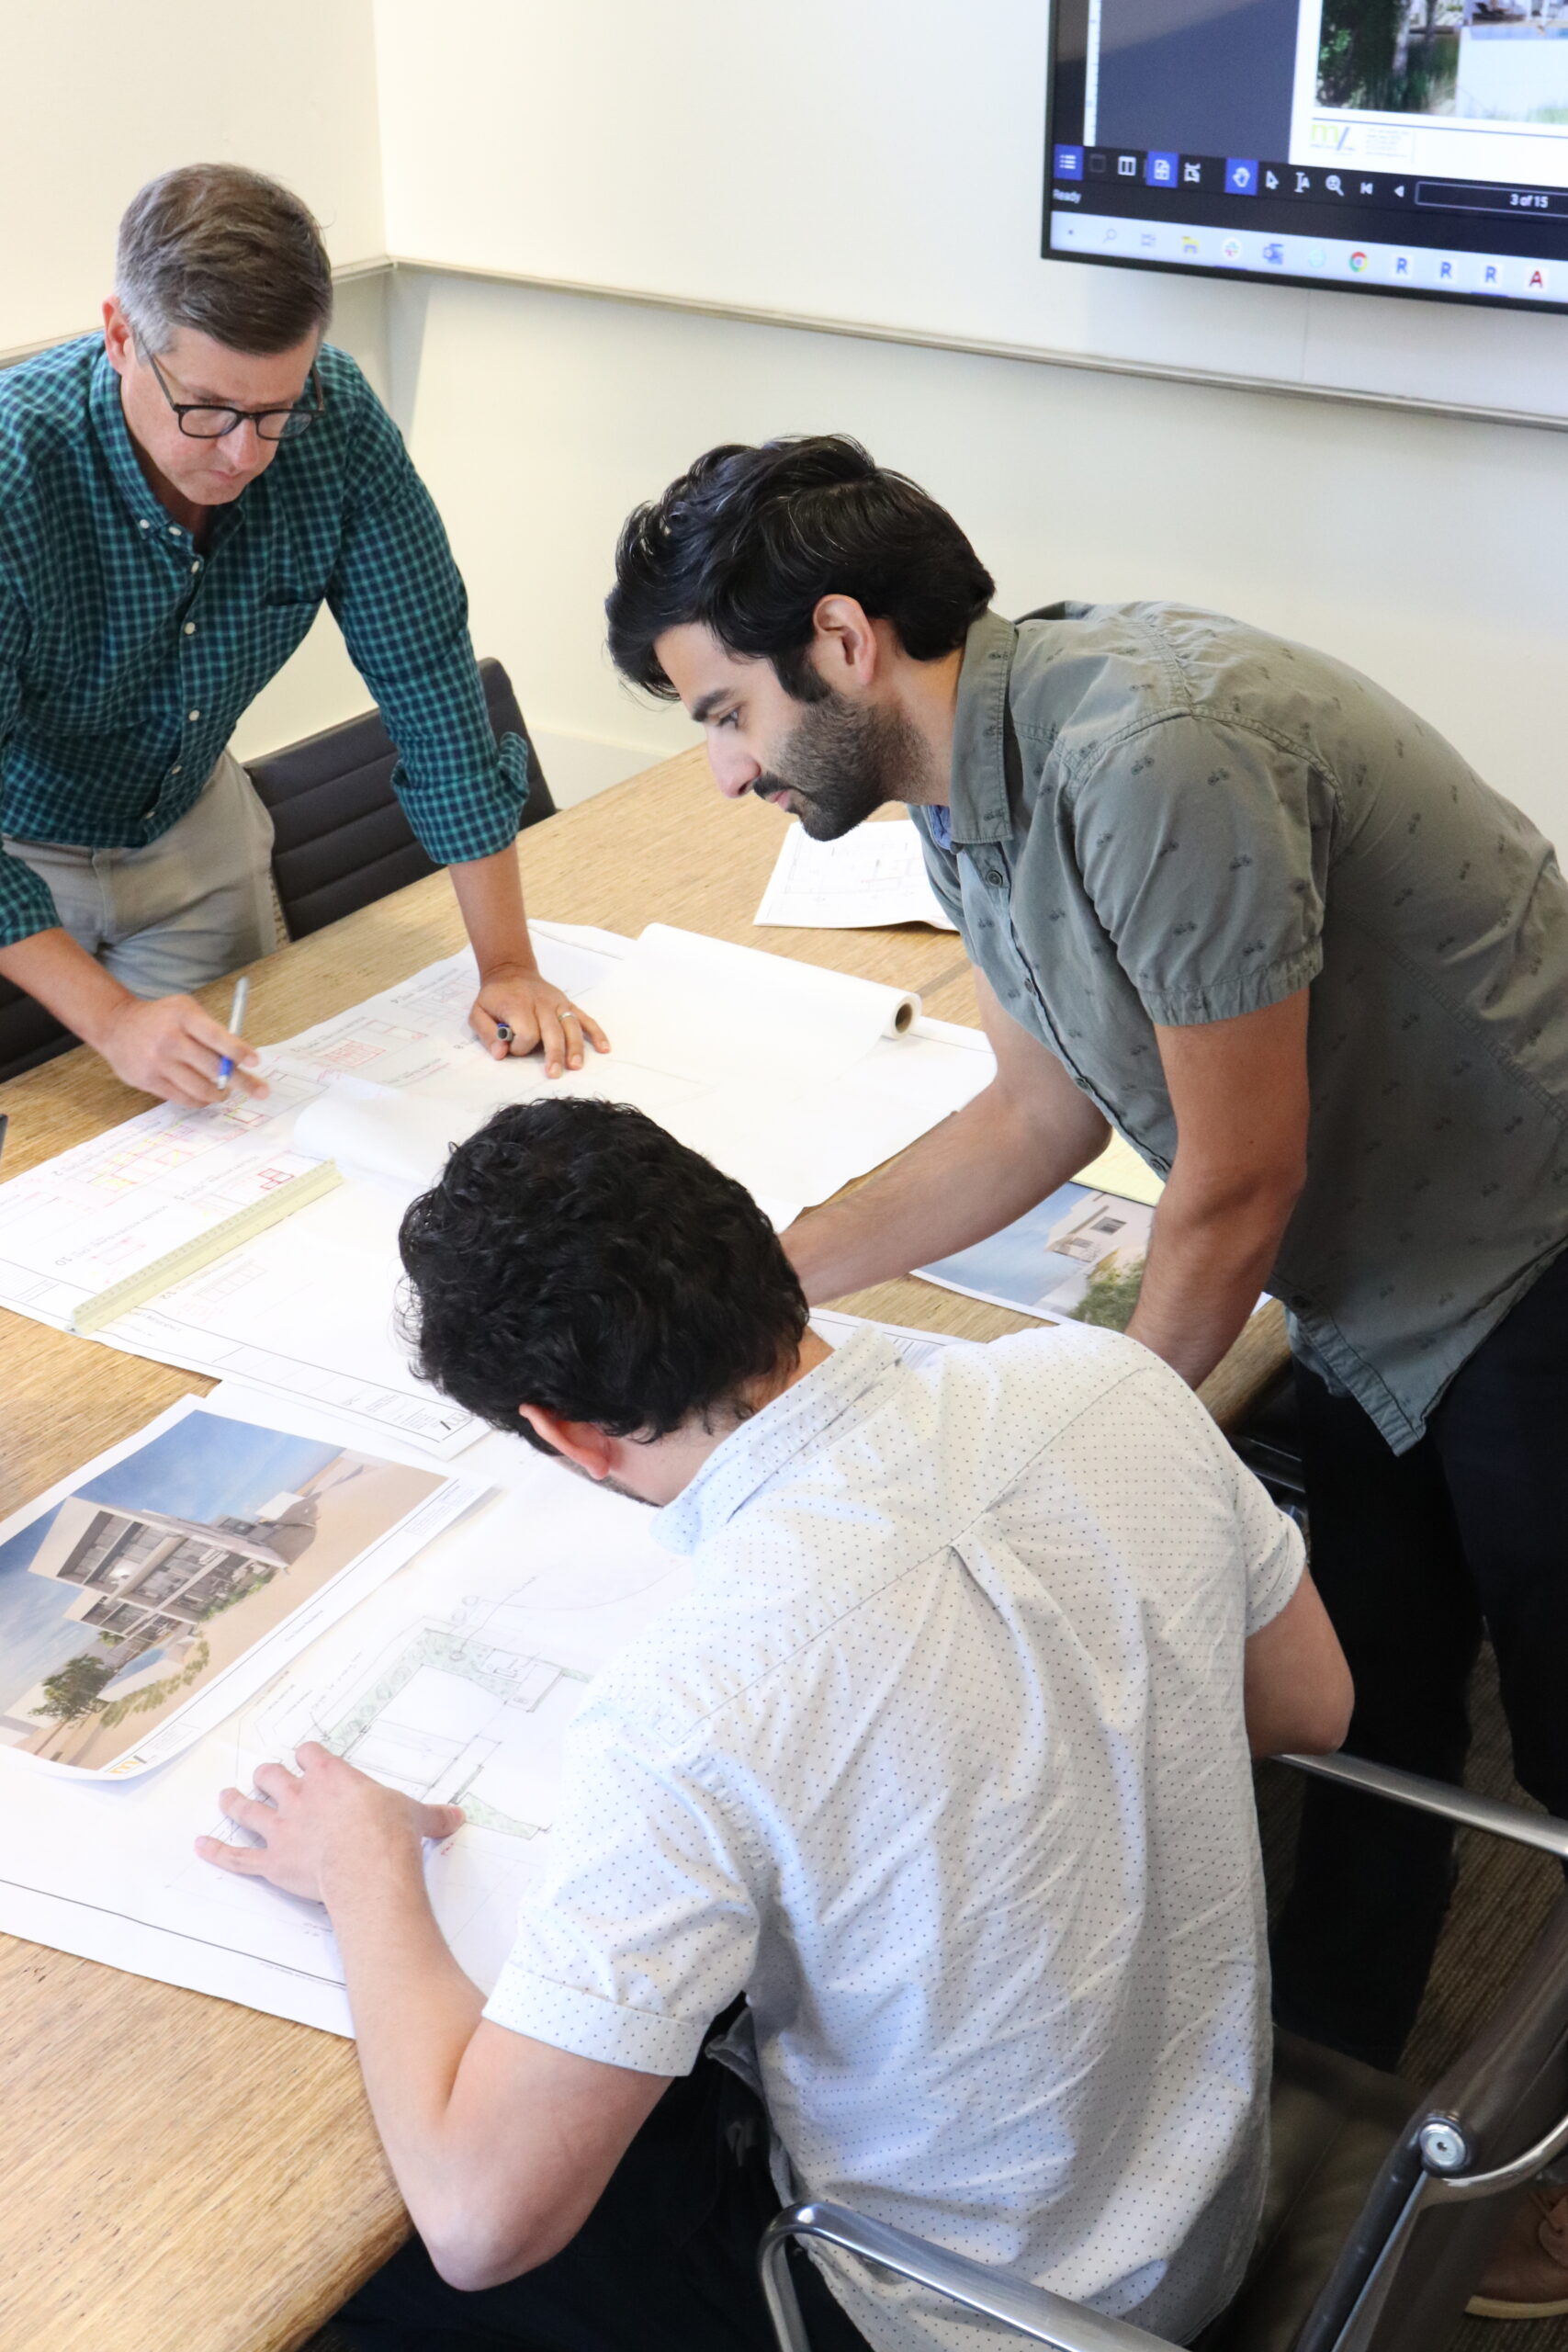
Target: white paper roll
x=713, y=1009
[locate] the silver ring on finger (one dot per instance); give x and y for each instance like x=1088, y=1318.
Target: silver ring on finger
x=568, y=1012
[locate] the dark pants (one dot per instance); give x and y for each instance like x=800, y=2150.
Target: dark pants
x=666, y=2262
x=1416, y=1554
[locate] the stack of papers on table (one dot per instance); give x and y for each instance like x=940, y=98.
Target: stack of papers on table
x=792, y=1078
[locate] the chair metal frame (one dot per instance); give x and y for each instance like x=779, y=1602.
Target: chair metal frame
x=1067, y=2326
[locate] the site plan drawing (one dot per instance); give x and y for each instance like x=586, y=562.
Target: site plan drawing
x=461, y=1709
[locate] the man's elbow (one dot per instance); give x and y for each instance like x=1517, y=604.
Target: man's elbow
x=1319, y=1717
x=472, y=2251
x=1262, y=1191
x=1331, y=1722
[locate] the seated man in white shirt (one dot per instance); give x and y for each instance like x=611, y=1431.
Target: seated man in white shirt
x=937, y=1783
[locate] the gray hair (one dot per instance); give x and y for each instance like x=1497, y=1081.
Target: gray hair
x=228, y=251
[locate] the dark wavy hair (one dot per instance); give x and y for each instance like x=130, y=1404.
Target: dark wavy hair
x=575, y=1255
x=749, y=540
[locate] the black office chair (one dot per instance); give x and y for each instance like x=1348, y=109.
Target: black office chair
x=1383, y=2206
x=342, y=842
x=341, y=838
x=28, y=1035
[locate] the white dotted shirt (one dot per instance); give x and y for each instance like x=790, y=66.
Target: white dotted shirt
x=942, y=1763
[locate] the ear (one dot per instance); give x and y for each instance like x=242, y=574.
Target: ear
x=580, y=1441
x=116, y=334
x=847, y=650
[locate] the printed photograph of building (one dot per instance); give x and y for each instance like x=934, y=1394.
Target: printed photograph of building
x=120, y=1601
x=1078, y=1256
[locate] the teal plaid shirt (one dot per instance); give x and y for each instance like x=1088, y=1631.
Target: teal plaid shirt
x=127, y=654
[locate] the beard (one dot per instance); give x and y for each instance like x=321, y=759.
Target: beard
x=842, y=763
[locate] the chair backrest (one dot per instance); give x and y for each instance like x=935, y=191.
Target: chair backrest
x=28, y=1034
x=341, y=840
x=1502, y=2096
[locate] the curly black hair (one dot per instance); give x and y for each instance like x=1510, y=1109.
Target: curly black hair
x=575, y=1255
x=750, y=540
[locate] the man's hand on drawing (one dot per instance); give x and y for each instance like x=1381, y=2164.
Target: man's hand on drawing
x=516, y=1011
x=323, y=1825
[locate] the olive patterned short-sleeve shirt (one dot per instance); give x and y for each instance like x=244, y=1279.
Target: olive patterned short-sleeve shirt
x=1157, y=815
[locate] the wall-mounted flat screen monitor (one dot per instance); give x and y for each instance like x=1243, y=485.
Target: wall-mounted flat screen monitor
x=1395, y=146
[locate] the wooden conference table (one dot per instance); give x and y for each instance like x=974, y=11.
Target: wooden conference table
x=180, y=2172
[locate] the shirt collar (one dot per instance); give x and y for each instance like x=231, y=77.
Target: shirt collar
x=977, y=790
x=770, y=1440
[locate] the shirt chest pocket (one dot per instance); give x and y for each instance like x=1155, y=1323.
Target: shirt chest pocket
x=279, y=621
x=289, y=596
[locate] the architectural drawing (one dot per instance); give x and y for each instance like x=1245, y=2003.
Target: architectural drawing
x=458, y=1710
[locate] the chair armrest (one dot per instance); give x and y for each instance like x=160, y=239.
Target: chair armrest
x=1539, y=1829
x=1044, y=2318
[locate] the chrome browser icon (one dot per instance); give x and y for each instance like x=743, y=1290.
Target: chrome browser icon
x=1357, y=261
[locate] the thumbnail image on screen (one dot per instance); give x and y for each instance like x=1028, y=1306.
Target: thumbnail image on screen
x=1398, y=146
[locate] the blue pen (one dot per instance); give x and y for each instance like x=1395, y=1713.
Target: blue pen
x=236, y=1017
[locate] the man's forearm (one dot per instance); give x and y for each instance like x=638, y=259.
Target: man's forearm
x=414, y=2014
x=490, y=897
x=968, y=1177
x=1209, y=1257
x=65, y=980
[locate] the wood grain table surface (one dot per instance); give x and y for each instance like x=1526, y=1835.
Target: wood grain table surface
x=185, y=2175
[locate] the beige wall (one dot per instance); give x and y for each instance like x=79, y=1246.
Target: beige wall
x=97, y=96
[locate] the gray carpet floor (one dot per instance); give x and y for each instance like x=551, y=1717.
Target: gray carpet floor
x=1500, y=1903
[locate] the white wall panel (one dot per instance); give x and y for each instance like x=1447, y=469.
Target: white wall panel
x=1423, y=550
x=879, y=165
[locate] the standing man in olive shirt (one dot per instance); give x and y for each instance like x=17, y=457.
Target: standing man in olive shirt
x=1229, y=897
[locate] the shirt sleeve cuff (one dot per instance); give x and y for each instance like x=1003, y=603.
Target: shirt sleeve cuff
x=454, y=826
x=568, y=2018
x=1273, y=1581
x=1238, y=992
x=25, y=905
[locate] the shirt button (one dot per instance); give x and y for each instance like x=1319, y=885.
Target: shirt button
x=190, y=628
x=174, y=531
x=993, y=876
x=193, y=716
x=197, y=565
x=175, y=769
x=143, y=523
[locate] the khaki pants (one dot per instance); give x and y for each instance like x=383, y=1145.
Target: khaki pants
x=191, y=906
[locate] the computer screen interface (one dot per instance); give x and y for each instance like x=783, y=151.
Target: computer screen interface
x=1395, y=146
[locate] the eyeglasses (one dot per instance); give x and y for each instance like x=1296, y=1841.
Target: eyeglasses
x=201, y=422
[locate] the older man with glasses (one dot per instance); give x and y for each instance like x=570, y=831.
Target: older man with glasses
x=176, y=502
